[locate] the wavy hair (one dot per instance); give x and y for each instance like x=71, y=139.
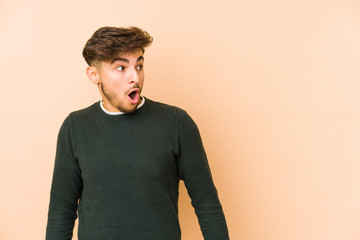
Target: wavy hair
x=108, y=42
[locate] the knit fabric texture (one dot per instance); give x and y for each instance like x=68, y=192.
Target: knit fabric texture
x=120, y=175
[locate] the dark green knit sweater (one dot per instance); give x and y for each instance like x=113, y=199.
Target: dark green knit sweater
x=121, y=173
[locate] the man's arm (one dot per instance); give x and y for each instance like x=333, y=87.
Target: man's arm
x=194, y=170
x=65, y=190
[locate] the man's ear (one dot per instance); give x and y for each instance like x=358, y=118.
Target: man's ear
x=93, y=74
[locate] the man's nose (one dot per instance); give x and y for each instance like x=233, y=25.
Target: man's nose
x=134, y=77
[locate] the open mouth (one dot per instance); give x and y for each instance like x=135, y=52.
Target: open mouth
x=134, y=96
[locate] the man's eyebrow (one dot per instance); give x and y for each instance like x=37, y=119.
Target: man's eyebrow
x=119, y=59
x=140, y=58
x=126, y=60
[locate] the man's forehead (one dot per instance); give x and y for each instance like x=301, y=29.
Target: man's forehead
x=127, y=57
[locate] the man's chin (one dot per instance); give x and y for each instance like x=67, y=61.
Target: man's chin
x=129, y=109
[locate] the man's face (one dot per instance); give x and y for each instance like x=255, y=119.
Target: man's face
x=121, y=82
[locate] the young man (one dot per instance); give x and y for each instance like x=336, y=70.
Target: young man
x=119, y=162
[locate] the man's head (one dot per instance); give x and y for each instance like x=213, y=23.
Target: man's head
x=115, y=59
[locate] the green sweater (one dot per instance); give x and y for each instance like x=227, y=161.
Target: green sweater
x=121, y=174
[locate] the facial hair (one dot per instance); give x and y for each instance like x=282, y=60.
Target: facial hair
x=119, y=105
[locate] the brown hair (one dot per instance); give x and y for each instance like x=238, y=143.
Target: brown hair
x=107, y=42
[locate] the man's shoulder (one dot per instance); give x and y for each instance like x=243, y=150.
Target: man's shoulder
x=85, y=112
x=160, y=106
x=169, y=112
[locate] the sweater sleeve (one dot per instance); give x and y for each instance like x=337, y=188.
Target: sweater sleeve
x=195, y=172
x=65, y=189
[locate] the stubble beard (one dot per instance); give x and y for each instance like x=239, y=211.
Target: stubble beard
x=119, y=105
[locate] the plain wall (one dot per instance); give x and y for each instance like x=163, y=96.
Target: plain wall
x=273, y=86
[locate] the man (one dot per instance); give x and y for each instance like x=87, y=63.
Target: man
x=119, y=162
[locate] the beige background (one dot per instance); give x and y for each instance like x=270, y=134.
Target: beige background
x=273, y=86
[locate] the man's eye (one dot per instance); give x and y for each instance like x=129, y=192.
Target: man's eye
x=140, y=67
x=121, y=68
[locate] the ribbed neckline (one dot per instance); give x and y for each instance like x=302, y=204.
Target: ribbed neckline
x=121, y=116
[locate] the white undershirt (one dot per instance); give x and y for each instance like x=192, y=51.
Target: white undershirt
x=119, y=113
